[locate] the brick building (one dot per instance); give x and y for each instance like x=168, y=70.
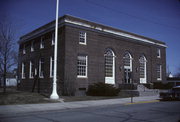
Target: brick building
x=88, y=53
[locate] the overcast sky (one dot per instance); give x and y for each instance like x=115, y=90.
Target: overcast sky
x=157, y=19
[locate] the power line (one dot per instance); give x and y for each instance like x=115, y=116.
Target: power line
x=130, y=15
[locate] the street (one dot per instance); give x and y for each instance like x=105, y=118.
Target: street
x=138, y=112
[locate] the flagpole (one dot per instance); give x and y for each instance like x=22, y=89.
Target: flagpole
x=54, y=94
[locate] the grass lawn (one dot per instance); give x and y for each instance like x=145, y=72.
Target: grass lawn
x=12, y=96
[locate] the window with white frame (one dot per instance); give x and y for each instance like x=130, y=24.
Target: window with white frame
x=82, y=66
x=52, y=66
x=158, y=53
x=109, y=60
x=82, y=37
x=24, y=49
x=53, y=39
x=41, y=68
x=159, y=72
x=42, y=43
x=23, y=70
x=31, y=69
x=32, y=46
x=142, y=67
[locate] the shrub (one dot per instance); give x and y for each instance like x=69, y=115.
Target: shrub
x=160, y=85
x=102, y=89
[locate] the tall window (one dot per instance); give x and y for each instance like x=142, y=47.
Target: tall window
x=142, y=69
x=52, y=66
x=82, y=66
x=24, y=49
x=82, y=37
x=109, y=66
x=32, y=46
x=109, y=63
x=159, y=72
x=42, y=43
x=23, y=71
x=158, y=53
x=53, y=39
x=41, y=68
x=31, y=69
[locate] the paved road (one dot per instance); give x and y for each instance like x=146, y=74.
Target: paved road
x=141, y=112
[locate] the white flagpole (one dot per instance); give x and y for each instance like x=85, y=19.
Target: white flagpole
x=54, y=94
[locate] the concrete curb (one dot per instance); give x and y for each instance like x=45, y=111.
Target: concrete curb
x=8, y=110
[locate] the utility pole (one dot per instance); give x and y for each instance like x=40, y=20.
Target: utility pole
x=54, y=94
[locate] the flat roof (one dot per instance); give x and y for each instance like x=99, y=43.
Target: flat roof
x=91, y=25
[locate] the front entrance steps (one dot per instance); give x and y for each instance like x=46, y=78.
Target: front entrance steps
x=144, y=91
x=137, y=90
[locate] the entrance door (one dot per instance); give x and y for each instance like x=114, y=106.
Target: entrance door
x=127, y=68
x=127, y=76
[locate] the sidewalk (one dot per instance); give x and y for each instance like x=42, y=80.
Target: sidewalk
x=8, y=110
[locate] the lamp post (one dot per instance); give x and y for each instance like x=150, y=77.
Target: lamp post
x=54, y=94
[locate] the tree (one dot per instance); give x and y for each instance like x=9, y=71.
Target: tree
x=7, y=52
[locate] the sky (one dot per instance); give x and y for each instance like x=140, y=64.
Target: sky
x=157, y=19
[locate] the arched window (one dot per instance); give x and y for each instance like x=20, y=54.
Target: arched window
x=127, y=60
x=142, y=69
x=109, y=66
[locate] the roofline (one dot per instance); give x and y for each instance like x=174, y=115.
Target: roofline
x=92, y=25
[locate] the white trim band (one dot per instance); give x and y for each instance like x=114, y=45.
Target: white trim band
x=114, y=32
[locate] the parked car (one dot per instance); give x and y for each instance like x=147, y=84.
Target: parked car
x=172, y=94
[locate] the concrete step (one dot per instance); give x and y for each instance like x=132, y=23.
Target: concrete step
x=143, y=91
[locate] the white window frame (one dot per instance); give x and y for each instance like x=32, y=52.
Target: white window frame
x=40, y=68
x=85, y=37
x=24, y=49
x=159, y=53
x=143, y=80
x=30, y=70
x=83, y=76
x=53, y=38
x=23, y=71
x=110, y=80
x=32, y=46
x=51, y=67
x=160, y=71
x=42, y=42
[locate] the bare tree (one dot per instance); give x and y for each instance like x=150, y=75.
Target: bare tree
x=7, y=52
